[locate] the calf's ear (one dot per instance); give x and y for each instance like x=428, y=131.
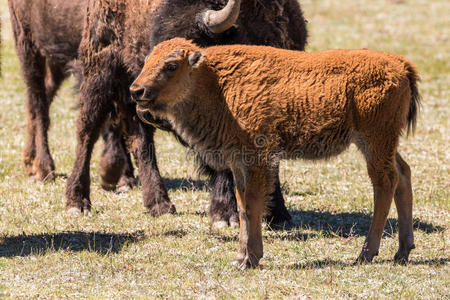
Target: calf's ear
x=195, y=59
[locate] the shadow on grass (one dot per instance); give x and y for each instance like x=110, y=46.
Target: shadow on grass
x=179, y=233
x=349, y=224
x=61, y=175
x=326, y=224
x=323, y=263
x=39, y=244
x=286, y=236
x=184, y=184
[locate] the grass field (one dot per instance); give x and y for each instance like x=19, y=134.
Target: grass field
x=120, y=252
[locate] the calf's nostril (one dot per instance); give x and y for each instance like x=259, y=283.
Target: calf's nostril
x=137, y=93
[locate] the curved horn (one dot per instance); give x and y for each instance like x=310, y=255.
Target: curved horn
x=221, y=20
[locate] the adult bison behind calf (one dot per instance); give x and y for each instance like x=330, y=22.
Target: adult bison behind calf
x=307, y=105
x=47, y=34
x=116, y=38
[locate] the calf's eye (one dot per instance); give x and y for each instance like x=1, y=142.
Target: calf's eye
x=171, y=67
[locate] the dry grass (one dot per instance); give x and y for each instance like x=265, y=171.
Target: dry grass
x=120, y=252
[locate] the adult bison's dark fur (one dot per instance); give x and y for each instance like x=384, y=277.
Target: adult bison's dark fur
x=117, y=36
x=47, y=35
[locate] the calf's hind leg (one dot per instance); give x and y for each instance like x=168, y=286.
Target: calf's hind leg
x=381, y=166
x=404, y=201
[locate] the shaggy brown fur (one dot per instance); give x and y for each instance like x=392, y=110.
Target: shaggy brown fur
x=223, y=101
x=47, y=36
x=117, y=36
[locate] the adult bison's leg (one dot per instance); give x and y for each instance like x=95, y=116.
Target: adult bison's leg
x=222, y=209
x=154, y=192
x=36, y=154
x=278, y=216
x=113, y=158
x=404, y=202
x=116, y=168
x=96, y=93
x=127, y=179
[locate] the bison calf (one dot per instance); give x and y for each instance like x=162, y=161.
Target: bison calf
x=247, y=107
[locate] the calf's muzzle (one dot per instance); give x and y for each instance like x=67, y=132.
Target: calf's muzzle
x=143, y=95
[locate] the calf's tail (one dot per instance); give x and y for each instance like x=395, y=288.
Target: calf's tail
x=0, y=47
x=415, y=101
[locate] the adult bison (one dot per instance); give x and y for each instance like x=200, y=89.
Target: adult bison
x=47, y=34
x=116, y=38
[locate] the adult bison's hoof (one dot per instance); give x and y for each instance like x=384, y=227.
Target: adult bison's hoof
x=43, y=170
x=219, y=222
x=74, y=212
x=162, y=208
x=44, y=174
x=283, y=225
x=107, y=186
x=78, y=212
x=126, y=183
x=279, y=219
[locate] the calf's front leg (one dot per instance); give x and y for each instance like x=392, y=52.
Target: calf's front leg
x=250, y=194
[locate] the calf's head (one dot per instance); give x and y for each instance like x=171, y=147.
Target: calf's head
x=167, y=76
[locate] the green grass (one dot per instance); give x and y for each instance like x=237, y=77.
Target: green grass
x=120, y=252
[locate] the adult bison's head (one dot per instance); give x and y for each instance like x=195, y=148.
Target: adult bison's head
x=206, y=22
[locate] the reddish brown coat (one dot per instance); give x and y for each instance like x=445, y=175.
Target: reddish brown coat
x=223, y=100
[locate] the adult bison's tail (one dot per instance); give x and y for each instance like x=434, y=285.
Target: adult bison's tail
x=414, y=105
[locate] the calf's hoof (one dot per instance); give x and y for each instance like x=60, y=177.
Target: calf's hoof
x=244, y=262
x=402, y=255
x=161, y=208
x=365, y=257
